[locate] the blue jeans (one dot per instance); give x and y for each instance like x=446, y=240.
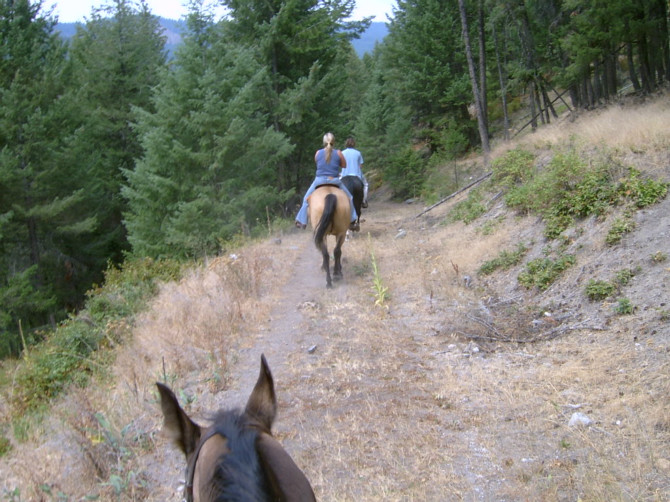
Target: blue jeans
x=324, y=180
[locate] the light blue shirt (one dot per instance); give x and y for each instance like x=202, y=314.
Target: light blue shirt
x=354, y=162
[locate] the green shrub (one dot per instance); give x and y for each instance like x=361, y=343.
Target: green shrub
x=542, y=272
x=5, y=445
x=469, y=209
x=567, y=188
x=514, y=168
x=592, y=195
x=62, y=359
x=599, y=290
x=545, y=189
x=643, y=192
x=620, y=227
x=659, y=257
x=624, y=307
x=624, y=276
x=504, y=260
x=555, y=224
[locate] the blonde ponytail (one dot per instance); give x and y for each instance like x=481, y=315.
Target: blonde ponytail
x=328, y=141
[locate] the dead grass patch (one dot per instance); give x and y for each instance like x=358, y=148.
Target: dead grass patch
x=630, y=126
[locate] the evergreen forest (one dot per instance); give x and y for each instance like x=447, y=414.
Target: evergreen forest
x=111, y=152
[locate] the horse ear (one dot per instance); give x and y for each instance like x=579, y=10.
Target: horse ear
x=262, y=403
x=182, y=430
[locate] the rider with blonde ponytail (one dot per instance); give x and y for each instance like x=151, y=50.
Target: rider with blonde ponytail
x=329, y=160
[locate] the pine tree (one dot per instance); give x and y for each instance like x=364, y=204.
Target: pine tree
x=118, y=57
x=209, y=168
x=41, y=198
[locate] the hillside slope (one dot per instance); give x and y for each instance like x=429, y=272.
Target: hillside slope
x=419, y=379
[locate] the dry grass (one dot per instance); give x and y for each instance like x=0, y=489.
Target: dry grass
x=629, y=127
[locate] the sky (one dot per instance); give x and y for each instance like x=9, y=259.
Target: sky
x=69, y=11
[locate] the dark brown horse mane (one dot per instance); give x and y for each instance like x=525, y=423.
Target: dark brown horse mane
x=239, y=474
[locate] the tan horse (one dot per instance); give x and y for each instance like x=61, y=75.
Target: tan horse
x=329, y=213
x=236, y=458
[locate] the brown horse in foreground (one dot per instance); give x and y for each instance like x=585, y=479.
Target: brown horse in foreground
x=330, y=214
x=236, y=458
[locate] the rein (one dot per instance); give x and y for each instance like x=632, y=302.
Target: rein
x=190, y=468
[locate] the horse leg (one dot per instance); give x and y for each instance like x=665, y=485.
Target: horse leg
x=325, y=265
x=337, y=253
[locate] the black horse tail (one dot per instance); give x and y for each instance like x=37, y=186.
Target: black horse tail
x=330, y=204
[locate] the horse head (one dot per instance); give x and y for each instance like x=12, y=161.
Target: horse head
x=235, y=458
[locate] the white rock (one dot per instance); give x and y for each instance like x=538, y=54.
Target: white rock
x=578, y=418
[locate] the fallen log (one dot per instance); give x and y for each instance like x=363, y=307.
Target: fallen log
x=451, y=196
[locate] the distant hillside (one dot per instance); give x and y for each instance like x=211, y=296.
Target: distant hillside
x=173, y=29
x=375, y=33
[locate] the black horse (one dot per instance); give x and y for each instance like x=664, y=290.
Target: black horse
x=355, y=186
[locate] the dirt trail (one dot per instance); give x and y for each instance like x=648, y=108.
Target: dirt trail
x=283, y=334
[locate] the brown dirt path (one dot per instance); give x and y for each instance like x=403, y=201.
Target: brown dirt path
x=284, y=333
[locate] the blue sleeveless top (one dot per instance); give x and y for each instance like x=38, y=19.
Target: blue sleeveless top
x=327, y=169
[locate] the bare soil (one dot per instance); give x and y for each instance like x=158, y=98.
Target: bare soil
x=450, y=386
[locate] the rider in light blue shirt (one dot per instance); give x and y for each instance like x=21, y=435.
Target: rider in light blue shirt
x=329, y=161
x=353, y=168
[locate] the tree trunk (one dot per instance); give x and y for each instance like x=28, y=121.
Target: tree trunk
x=597, y=87
x=483, y=132
x=482, y=63
x=658, y=38
x=548, y=104
x=645, y=69
x=531, y=96
x=611, y=66
x=593, y=92
x=575, y=96
x=502, y=77
x=543, y=104
x=664, y=36
x=631, y=68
